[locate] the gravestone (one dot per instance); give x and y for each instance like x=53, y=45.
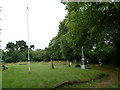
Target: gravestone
x=70, y=63
x=67, y=62
x=100, y=62
x=75, y=61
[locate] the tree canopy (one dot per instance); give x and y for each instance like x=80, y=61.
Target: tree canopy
x=92, y=25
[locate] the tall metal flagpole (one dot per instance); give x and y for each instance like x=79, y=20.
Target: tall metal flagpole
x=28, y=41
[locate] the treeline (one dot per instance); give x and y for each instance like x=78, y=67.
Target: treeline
x=95, y=26
x=18, y=52
x=15, y=52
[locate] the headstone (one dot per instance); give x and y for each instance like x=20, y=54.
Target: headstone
x=87, y=61
x=67, y=62
x=75, y=61
x=70, y=63
x=100, y=62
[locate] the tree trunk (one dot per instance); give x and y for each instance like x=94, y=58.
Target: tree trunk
x=52, y=64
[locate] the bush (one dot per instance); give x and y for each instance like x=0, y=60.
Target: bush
x=77, y=65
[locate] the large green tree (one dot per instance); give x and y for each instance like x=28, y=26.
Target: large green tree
x=92, y=25
x=15, y=52
x=95, y=25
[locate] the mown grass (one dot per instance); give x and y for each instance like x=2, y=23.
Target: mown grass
x=43, y=76
x=0, y=78
x=93, y=84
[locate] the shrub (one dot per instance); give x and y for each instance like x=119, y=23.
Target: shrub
x=77, y=65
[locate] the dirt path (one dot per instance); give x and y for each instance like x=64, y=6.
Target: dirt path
x=113, y=80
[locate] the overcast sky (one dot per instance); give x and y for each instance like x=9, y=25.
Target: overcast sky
x=44, y=18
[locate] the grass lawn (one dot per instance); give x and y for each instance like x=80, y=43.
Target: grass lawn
x=0, y=78
x=91, y=84
x=106, y=79
x=43, y=76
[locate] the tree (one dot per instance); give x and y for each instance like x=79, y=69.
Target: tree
x=92, y=25
x=21, y=45
x=16, y=52
x=96, y=24
x=10, y=46
x=32, y=46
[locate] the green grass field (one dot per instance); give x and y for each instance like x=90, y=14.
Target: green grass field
x=0, y=78
x=43, y=76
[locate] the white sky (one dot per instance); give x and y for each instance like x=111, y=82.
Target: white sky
x=44, y=18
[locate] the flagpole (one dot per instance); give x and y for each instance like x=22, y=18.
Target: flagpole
x=28, y=41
